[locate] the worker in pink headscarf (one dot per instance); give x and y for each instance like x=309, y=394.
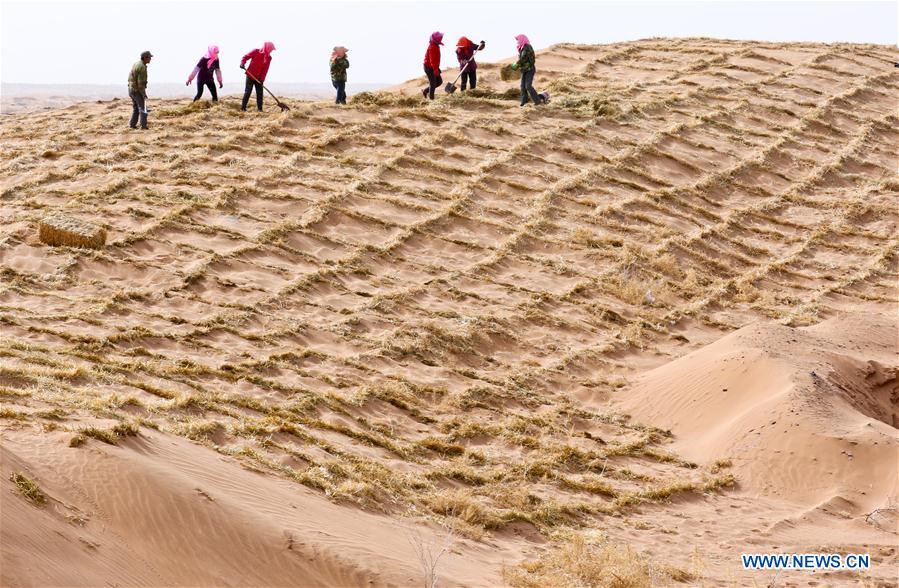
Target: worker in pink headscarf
x=259, y=59
x=339, y=65
x=527, y=65
x=432, y=64
x=203, y=72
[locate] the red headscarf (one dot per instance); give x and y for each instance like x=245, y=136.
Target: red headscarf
x=437, y=38
x=464, y=42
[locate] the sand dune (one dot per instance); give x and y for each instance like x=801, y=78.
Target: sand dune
x=161, y=511
x=807, y=414
x=311, y=335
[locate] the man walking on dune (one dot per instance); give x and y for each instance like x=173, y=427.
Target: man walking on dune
x=137, y=89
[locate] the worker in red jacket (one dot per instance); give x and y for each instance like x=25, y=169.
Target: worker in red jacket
x=432, y=64
x=259, y=60
x=465, y=50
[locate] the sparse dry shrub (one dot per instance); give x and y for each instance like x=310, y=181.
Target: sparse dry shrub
x=512, y=496
x=399, y=394
x=462, y=473
x=586, y=237
x=457, y=428
x=720, y=464
x=629, y=290
x=463, y=505
x=385, y=99
x=429, y=553
x=28, y=488
x=803, y=315
x=667, y=264
x=581, y=562
x=589, y=104
x=481, y=93
x=197, y=430
x=471, y=397
x=185, y=109
x=442, y=447
x=439, y=339
x=108, y=436
x=9, y=413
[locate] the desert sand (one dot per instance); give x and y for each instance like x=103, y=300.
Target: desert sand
x=616, y=340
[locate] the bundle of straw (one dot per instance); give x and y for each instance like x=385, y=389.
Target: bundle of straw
x=507, y=74
x=71, y=232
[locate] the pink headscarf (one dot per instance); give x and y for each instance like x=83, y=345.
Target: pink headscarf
x=268, y=47
x=338, y=52
x=522, y=41
x=211, y=55
x=437, y=37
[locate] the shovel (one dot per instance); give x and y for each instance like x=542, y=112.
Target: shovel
x=278, y=102
x=451, y=87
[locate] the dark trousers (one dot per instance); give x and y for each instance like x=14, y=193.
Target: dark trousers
x=527, y=87
x=211, y=86
x=434, y=80
x=140, y=106
x=251, y=84
x=340, y=86
x=469, y=78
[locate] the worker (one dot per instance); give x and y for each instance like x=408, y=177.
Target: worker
x=203, y=72
x=432, y=64
x=137, y=90
x=465, y=50
x=260, y=60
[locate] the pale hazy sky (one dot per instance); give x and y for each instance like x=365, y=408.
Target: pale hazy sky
x=96, y=42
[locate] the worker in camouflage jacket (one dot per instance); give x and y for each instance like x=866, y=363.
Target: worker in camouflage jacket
x=339, y=65
x=526, y=64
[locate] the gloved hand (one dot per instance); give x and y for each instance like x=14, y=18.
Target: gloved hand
x=243, y=66
x=481, y=46
x=187, y=83
x=220, y=85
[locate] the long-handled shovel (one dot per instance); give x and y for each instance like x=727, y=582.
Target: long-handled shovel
x=278, y=102
x=451, y=86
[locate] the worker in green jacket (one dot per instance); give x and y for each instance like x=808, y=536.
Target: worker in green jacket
x=527, y=65
x=339, y=65
x=137, y=89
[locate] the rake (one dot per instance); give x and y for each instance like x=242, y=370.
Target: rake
x=278, y=102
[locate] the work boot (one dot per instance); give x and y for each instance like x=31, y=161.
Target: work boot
x=424, y=92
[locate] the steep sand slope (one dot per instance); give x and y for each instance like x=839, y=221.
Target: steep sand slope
x=161, y=511
x=806, y=414
x=420, y=310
